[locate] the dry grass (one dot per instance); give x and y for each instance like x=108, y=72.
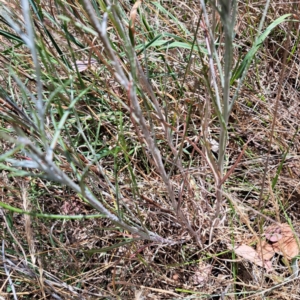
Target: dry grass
x=93, y=258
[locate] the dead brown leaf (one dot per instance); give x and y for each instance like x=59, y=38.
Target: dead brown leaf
x=273, y=233
x=251, y=254
x=265, y=250
x=133, y=13
x=287, y=245
x=281, y=240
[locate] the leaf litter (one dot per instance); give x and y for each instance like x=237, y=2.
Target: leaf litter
x=279, y=239
x=282, y=239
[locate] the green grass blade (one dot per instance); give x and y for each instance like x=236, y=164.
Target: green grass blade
x=168, y=14
x=48, y=216
x=250, y=55
x=11, y=36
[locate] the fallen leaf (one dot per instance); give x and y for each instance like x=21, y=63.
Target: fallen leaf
x=265, y=250
x=287, y=245
x=250, y=254
x=273, y=233
x=268, y=265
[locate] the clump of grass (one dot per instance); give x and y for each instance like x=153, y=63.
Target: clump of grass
x=128, y=119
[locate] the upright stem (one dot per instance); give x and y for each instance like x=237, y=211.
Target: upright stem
x=227, y=14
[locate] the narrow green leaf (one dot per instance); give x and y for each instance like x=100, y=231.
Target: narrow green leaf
x=250, y=55
x=48, y=216
x=167, y=13
x=11, y=36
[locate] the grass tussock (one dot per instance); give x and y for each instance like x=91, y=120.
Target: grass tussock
x=143, y=143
